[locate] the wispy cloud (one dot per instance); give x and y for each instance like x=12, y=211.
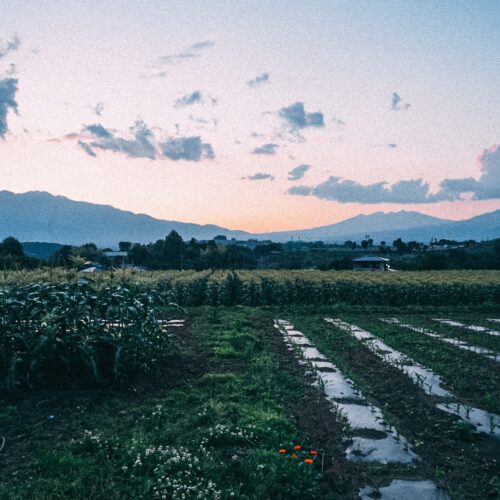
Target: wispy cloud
x=266, y=149
x=187, y=148
x=258, y=81
x=398, y=104
x=259, y=176
x=192, y=52
x=297, y=118
x=151, y=76
x=7, y=46
x=98, y=108
x=189, y=99
x=486, y=187
x=87, y=148
x=298, y=172
x=8, y=89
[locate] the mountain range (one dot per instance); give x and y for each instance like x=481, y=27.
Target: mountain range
x=42, y=217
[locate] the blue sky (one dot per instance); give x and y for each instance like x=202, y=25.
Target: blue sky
x=207, y=107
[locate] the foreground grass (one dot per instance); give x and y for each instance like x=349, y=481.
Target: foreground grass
x=214, y=434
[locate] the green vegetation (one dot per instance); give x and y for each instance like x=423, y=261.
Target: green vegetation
x=100, y=397
x=78, y=333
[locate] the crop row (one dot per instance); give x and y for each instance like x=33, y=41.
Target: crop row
x=78, y=334
x=264, y=291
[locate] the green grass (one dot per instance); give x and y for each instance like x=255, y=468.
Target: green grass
x=224, y=427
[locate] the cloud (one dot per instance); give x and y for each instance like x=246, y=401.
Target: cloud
x=298, y=172
x=187, y=148
x=392, y=145
x=87, y=148
x=338, y=121
x=347, y=191
x=297, y=118
x=266, y=149
x=97, y=130
x=189, y=99
x=8, y=89
x=258, y=81
x=192, y=52
x=159, y=74
x=9, y=46
x=486, y=187
x=260, y=176
x=98, y=108
x=397, y=103
x=141, y=145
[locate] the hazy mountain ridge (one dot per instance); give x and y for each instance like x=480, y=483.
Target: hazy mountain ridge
x=41, y=217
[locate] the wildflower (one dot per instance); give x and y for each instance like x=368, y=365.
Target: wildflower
x=308, y=460
x=294, y=456
x=282, y=450
x=297, y=447
x=313, y=452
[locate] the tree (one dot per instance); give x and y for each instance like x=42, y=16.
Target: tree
x=124, y=246
x=11, y=246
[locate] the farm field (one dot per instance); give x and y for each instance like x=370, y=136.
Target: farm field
x=111, y=390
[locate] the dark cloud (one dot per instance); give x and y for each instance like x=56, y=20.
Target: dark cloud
x=298, y=172
x=87, y=148
x=392, y=145
x=260, y=176
x=192, y=52
x=258, y=81
x=9, y=46
x=189, y=99
x=187, y=148
x=97, y=130
x=8, y=89
x=297, y=118
x=397, y=103
x=266, y=149
x=141, y=145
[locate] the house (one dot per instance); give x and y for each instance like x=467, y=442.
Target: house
x=369, y=263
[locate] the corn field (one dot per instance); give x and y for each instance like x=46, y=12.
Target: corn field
x=78, y=334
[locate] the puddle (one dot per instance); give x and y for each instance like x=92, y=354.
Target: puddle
x=461, y=344
x=390, y=449
x=424, y=377
x=400, y=489
x=474, y=328
x=349, y=401
x=481, y=420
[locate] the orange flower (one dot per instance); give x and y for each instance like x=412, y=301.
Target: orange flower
x=294, y=456
x=282, y=450
x=313, y=452
x=297, y=447
x=308, y=461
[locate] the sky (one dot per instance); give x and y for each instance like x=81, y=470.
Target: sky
x=254, y=115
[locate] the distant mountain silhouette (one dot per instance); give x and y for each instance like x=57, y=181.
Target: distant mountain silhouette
x=42, y=217
x=409, y=226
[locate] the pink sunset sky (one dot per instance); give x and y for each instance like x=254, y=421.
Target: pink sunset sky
x=254, y=115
